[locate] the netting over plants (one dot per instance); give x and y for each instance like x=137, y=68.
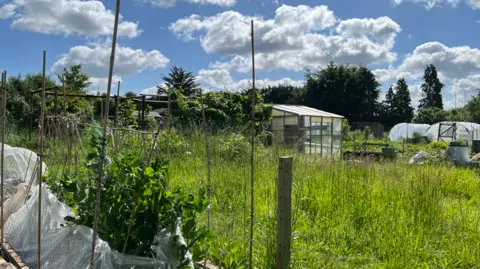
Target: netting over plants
x=69, y=246
x=407, y=130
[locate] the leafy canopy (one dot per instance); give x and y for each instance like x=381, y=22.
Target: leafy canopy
x=178, y=79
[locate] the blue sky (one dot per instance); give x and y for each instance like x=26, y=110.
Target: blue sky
x=210, y=38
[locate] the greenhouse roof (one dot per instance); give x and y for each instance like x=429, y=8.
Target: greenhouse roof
x=305, y=111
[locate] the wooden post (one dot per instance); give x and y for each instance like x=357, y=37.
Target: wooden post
x=284, y=211
x=116, y=107
x=252, y=156
x=40, y=155
x=4, y=125
x=64, y=96
x=104, y=138
x=143, y=113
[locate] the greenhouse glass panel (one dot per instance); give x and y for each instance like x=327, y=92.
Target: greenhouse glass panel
x=310, y=130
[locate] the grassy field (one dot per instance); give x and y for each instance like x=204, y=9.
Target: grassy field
x=383, y=215
x=368, y=215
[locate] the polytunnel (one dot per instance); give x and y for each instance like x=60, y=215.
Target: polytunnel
x=406, y=130
x=451, y=131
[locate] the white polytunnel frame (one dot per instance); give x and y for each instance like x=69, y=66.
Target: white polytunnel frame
x=406, y=130
x=467, y=131
x=313, y=131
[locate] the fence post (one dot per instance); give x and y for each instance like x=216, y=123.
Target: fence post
x=284, y=211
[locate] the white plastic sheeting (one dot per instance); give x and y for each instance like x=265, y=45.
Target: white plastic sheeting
x=465, y=130
x=64, y=245
x=406, y=130
x=20, y=167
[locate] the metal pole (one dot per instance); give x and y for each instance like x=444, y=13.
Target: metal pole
x=40, y=165
x=104, y=138
x=4, y=109
x=252, y=157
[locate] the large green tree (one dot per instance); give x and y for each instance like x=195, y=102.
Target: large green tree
x=386, y=108
x=431, y=88
x=473, y=108
x=430, y=115
x=402, y=110
x=179, y=79
x=76, y=82
x=351, y=91
x=21, y=103
x=283, y=94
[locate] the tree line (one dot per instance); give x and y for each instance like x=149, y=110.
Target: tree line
x=351, y=91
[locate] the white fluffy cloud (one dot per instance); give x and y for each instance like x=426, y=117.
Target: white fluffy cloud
x=7, y=11
x=452, y=63
x=151, y=90
x=96, y=60
x=171, y=3
x=429, y=4
x=221, y=79
x=69, y=17
x=100, y=84
x=297, y=37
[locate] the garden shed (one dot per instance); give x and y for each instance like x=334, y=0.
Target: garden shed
x=313, y=131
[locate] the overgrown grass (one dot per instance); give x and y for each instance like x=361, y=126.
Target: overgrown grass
x=385, y=215
x=381, y=215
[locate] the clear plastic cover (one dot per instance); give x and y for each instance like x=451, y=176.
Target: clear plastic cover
x=406, y=130
x=64, y=245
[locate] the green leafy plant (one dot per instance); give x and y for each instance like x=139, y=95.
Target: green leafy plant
x=135, y=206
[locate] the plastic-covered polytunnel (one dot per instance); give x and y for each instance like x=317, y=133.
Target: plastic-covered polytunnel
x=313, y=131
x=451, y=131
x=406, y=130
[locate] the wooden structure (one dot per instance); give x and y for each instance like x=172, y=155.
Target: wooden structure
x=377, y=128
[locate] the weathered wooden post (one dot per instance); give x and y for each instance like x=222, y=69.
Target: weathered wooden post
x=2, y=156
x=284, y=211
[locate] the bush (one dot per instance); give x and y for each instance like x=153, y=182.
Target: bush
x=234, y=147
x=430, y=115
x=172, y=143
x=438, y=145
x=134, y=204
x=417, y=138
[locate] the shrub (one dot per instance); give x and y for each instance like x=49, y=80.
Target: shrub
x=438, y=145
x=417, y=138
x=135, y=204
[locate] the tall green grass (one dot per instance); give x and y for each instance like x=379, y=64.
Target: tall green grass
x=384, y=215
x=380, y=215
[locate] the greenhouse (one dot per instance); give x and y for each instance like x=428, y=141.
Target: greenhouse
x=311, y=130
x=407, y=130
x=451, y=131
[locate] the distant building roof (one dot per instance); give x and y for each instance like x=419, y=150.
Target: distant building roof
x=305, y=111
x=150, y=114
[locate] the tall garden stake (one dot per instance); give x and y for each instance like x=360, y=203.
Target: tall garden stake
x=41, y=130
x=64, y=96
x=104, y=137
x=252, y=158
x=4, y=114
x=207, y=150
